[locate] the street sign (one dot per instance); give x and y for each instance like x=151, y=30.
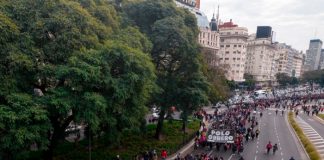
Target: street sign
x=220, y=136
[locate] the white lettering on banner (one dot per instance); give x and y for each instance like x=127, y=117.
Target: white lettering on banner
x=220, y=136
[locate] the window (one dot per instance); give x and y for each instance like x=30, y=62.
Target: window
x=234, y=52
x=239, y=45
x=222, y=40
x=227, y=52
x=226, y=59
x=221, y=46
x=234, y=59
x=221, y=59
x=235, y=45
x=238, y=58
x=228, y=45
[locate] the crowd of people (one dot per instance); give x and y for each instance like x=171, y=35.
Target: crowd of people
x=242, y=120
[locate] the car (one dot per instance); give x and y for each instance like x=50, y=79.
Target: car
x=73, y=128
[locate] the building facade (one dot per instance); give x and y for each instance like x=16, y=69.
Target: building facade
x=232, y=53
x=313, y=55
x=208, y=36
x=298, y=65
x=260, y=61
x=287, y=58
x=322, y=59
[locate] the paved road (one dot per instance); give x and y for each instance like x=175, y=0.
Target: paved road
x=272, y=128
x=314, y=130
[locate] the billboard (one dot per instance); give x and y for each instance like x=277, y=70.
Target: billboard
x=221, y=136
x=264, y=32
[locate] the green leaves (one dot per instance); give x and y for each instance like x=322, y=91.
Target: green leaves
x=22, y=123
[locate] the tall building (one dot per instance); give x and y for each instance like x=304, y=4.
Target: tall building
x=208, y=36
x=322, y=59
x=298, y=65
x=286, y=56
x=260, y=59
x=232, y=53
x=209, y=39
x=313, y=55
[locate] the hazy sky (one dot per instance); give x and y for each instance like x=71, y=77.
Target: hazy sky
x=294, y=21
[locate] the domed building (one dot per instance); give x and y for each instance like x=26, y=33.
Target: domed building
x=208, y=36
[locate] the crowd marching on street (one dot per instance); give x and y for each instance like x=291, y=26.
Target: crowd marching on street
x=243, y=120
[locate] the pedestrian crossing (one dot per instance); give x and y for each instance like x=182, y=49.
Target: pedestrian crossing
x=312, y=135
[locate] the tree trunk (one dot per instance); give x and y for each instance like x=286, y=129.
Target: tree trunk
x=57, y=135
x=184, y=120
x=160, y=124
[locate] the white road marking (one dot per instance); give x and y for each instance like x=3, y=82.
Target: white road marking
x=230, y=157
x=210, y=152
x=316, y=143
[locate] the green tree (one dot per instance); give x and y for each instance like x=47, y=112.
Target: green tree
x=218, y=89
x=283, y=79
x=249, y=81
x=62, y=51
x=316, y=76
x=173, y=32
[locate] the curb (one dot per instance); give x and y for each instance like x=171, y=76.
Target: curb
x=302, y=152
x=183, y=150
x=319, y=119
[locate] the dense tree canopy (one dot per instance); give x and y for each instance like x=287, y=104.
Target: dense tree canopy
x=61, y=62
x=283, y=79
x=316, y=76
x=97, y=63
x=175, y=53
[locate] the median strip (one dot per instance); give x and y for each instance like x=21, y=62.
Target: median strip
x=309, y=147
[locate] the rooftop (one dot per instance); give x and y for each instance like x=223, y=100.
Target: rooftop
x=229, y=24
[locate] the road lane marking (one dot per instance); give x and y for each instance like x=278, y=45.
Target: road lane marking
x=315, y=143
x=230, y=157
x=210, y=152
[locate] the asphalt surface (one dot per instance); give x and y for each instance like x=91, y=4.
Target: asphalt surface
x=272, y=128
x=314, y=130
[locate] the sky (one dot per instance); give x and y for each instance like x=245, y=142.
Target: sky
x=295, y=22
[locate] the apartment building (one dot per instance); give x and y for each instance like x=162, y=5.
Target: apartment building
x=232, y=53
x=260, y=61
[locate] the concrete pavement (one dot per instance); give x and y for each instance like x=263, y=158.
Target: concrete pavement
x=272, y=128
x=314, y=130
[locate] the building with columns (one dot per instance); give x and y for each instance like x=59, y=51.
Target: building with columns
x=232, y=53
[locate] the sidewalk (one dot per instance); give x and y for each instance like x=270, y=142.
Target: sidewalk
x=188, y=148
x=316, y=139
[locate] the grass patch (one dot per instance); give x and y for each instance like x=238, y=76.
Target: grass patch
x=309, y=147
x=321, y=116
x=131, y=144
